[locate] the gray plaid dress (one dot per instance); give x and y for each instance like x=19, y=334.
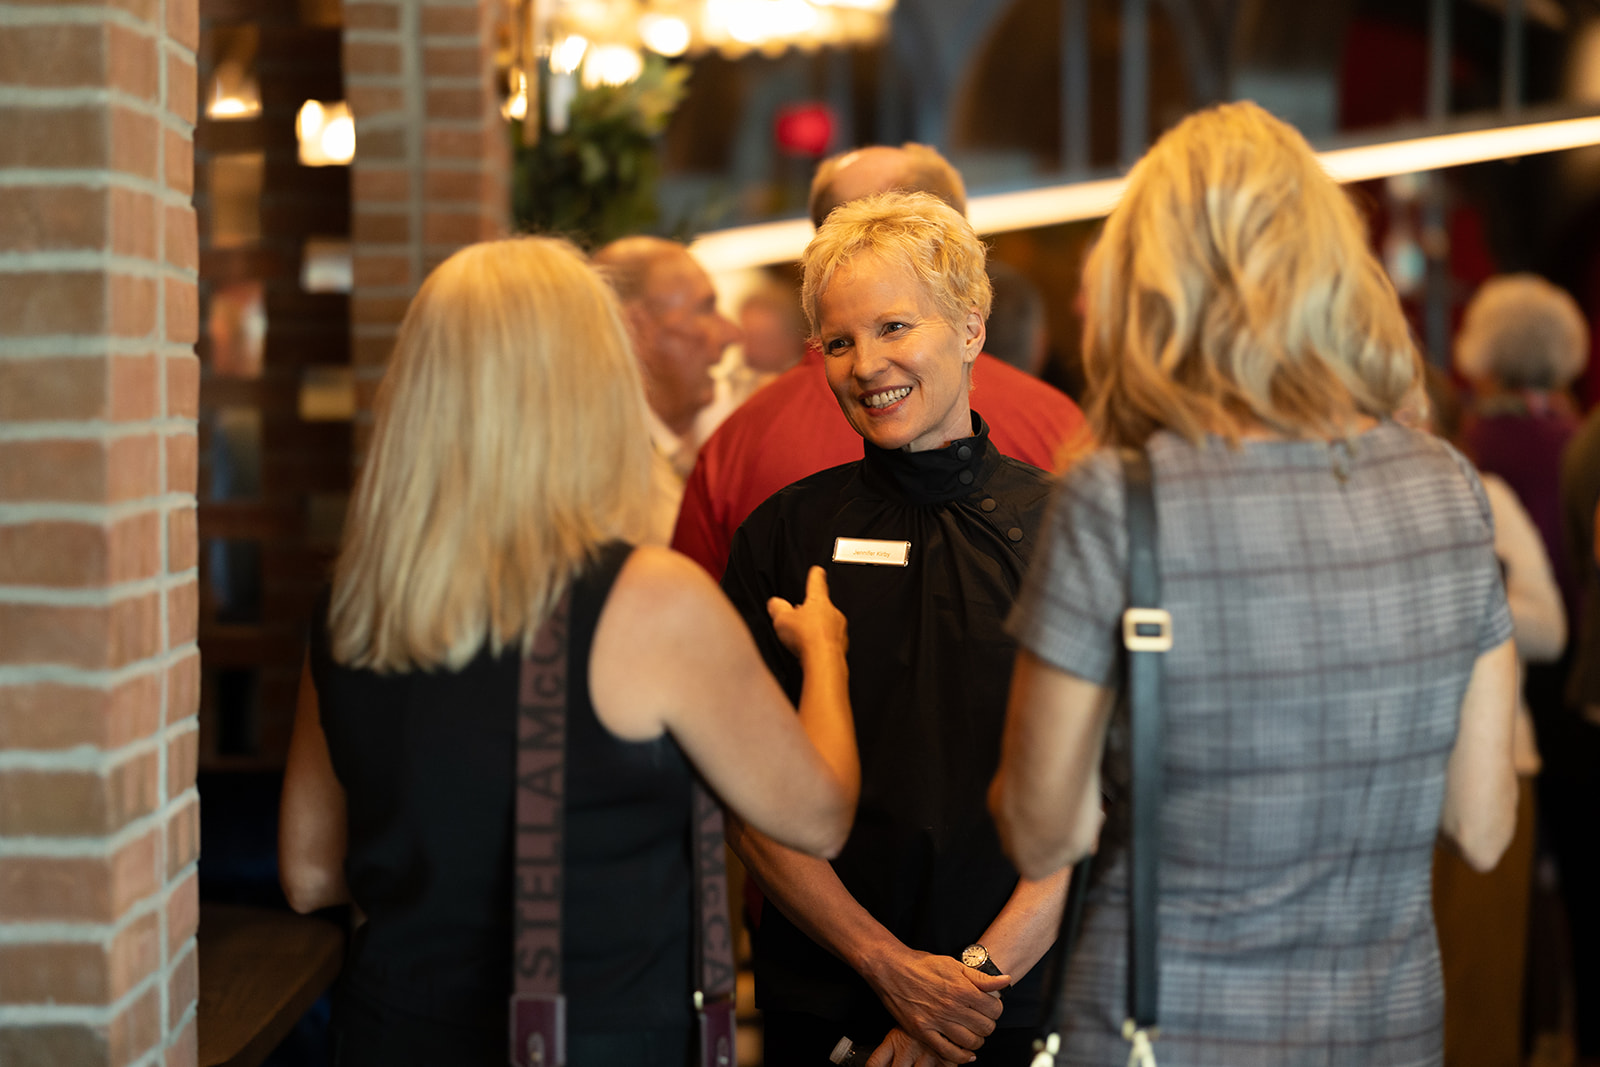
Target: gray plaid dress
x=1328, y=603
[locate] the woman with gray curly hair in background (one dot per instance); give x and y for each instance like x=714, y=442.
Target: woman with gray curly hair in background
x=1522, y=342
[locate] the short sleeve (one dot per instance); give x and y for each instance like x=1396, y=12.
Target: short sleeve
x=1496, y=627
x=1071, y=604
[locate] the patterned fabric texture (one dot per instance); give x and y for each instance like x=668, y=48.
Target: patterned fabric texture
x=1328, y=603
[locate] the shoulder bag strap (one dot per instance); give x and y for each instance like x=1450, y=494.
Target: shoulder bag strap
x=1147, y=635
x=538, y=1008
x=712, y=937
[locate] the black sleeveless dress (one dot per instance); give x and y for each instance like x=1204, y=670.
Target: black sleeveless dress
x=427, y=762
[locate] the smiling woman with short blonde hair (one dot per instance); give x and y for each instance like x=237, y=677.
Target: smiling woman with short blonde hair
x=926, y=538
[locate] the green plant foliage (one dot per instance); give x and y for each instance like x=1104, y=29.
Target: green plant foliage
x=596, y=180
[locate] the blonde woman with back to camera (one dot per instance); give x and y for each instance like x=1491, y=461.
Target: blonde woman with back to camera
x=509, y=462
x=1340, y=687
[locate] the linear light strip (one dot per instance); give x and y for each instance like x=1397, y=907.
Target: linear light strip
x=783, y=242
x=1458, y=149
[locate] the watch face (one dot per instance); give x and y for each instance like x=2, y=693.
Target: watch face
x=974, y=956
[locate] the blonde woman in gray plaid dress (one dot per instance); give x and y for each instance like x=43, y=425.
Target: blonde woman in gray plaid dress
x=1340, y=689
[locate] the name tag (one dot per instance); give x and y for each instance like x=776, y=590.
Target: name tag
x=864, y=550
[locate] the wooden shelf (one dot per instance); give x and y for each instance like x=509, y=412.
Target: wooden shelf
x=259, y=971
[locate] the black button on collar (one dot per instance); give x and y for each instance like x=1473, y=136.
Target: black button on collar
x=1015, y=533
x=964, y=452
x=966, y=477
x=988, y=504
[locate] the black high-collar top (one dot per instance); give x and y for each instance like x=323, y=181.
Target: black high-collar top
x=930, y=667
x=933, y=476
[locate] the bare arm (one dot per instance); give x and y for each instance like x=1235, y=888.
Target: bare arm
x=1027, y=926
x=311, y=813
x=670, y=653
x=1480, y=800
x=1046, y=795
x=944, y=1005
x=1537, y=614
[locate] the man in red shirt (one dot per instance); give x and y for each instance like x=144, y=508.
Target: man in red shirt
x=792, y=427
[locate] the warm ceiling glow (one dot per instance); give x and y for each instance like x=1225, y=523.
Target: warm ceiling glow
x=612, y=64
x=338, y=139
x=516, y=105
x=236, y=97
x=665, y=35
x=755, y=22
x=875, y=6
x=567, y=53
x=327, y=134
x=783, y=242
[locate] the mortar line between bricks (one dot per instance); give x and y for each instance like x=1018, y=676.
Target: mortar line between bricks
x=80, y=1014
x=82, y=678
x=80, y=757
x=95, y=429
x=99, y=596
x=11, y=15
x=27, y=98
x=87, y=346
x=88, y=260
x=91, y=179
x=100, y=847
x=19, y=513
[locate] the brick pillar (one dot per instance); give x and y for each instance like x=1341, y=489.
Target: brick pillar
x=99, y=820
x=432, y=157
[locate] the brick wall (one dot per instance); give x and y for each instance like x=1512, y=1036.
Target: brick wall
x=98, y=668
x=432, y=156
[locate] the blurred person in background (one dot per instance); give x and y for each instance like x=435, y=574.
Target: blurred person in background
x=1482, y=917
x=1340, y=688
x=774, y=341
x=509, y=464
x=899, y=942
x=1570, y=787
x=1018, y=331
x=1521, y=344
x=678, y=336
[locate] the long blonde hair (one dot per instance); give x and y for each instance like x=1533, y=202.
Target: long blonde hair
x=1232, y=287
x=509, y=443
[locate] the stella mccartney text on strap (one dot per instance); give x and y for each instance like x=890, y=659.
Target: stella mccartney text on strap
x=1146, y=637
x=538, y=1006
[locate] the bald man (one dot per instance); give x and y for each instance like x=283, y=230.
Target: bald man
x=879, y=168
x=670, y=310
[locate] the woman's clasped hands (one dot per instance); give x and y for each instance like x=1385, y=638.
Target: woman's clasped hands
x=945, y=1009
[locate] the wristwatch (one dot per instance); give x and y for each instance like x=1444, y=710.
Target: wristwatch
x=977, y=957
